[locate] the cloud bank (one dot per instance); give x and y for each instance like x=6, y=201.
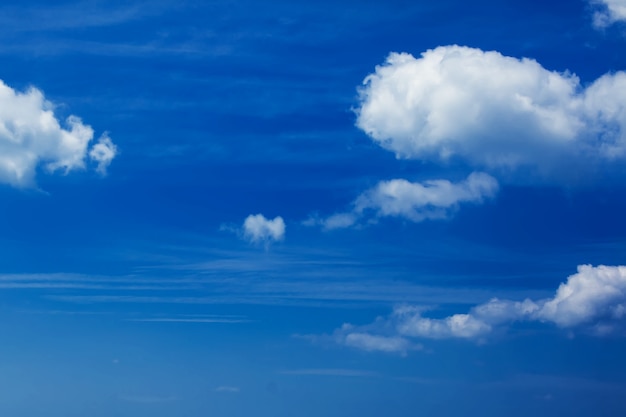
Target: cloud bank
x=414, y=201
x=594, y=299
x=257, y=229
x=492, y=111
x=612, y=11
x=32, y=137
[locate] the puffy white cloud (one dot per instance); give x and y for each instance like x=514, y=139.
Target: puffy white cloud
x=433, y=199
x=590, y=295
x=256, y=228
x=612, y=11
x=594, y=298
x=492, y=111
x=31, y=136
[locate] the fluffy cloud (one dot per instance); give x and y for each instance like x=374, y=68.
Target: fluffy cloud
x=433, y=199
x=612, y=11
x=492, y=111
x=256, y=228
x=31, y=136
x=590, y=295
x=594, y=298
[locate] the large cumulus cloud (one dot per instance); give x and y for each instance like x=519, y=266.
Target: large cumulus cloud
x=31, y=136
x=492, y=111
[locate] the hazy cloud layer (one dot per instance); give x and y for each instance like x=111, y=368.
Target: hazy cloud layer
x=31, y=136
x=594, y=299
x=256, y=228
x=414, y=201
x=492, y=111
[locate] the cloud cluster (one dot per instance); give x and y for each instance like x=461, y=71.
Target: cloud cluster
x=593, y=298
x=31, y=136
x=612, y=11
x=257, y=229
x=415, y=201
x=492, y=111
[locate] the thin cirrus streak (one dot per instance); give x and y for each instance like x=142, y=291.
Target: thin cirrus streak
x=338, y=295
x=330, y=372
x=191, y=320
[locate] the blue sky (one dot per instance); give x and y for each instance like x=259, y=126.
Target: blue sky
x=312, y=209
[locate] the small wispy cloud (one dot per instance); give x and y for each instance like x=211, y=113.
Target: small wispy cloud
x=227, y=389
x=414, y=201
x=103, y=153
x=375, y=343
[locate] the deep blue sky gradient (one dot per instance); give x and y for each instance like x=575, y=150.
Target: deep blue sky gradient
x=224, y=109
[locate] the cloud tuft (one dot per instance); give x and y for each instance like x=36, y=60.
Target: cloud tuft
x=257, y=228
x=103, y=153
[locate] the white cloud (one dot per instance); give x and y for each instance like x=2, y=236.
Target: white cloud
x=256, y=228
x=463, y=326
x=493, y=111
x=433, y=199
x=103, y=153
x=611, y=11
x=31, y=136
x=594, y=298
x=590, y=295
